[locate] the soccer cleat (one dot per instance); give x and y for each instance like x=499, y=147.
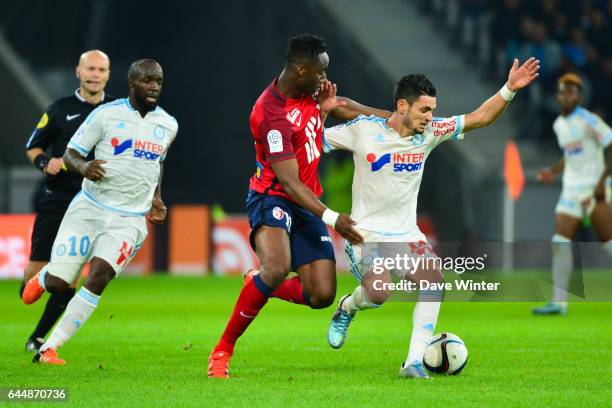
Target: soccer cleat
x=341, y=320
x=49, y=356
x=414, y=370
x=33, y=345
x=549, y=309
x=32, y=291
x=248, y=275
x=218, y=364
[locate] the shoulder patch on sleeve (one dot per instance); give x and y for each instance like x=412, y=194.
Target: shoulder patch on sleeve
x=275, y=141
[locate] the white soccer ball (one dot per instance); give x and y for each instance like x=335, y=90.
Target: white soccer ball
x=445, y=354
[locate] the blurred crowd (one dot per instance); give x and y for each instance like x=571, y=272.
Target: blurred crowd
x=565, y=35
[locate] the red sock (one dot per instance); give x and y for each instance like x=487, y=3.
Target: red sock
x=249, y=303
x=291, y=291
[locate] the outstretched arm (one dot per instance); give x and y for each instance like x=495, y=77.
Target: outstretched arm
x=342, y=108
x=518, y=78
x=352, y=109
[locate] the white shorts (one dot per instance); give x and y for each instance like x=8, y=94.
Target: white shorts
x=571, y=201
x=89, y=231
x=361, y=256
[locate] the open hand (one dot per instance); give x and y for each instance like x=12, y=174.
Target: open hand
x=546, y=176
x=93, y=170
x=157, y=215
x=520, y=77
x=344, y=225
x=327, y=97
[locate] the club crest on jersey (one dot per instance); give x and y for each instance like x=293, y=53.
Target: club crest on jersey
x=142, y=149
x=402, y=162
x=159, y=132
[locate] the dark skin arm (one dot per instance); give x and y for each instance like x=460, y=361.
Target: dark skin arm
x=548, y=174
x=91, y=170
x=600, y=191
x=158, y=208
x=287, y=173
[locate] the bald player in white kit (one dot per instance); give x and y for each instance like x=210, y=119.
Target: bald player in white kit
x=389, y=156
x=106, y=222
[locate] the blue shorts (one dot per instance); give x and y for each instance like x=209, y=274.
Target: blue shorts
x=308, y=234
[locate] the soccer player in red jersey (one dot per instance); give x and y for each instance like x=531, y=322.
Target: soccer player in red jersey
x=286, y=217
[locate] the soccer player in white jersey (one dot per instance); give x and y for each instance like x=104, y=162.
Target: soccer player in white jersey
x=106, y=221
x=389, y=156
x=586, y=140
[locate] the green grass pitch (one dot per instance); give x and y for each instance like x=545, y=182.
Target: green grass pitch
x=148, y=342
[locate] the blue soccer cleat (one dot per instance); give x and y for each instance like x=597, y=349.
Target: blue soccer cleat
x=336, y=335
x=414, y=370
x=550, y=309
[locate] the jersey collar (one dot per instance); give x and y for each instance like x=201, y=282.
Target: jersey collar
x=80, y=98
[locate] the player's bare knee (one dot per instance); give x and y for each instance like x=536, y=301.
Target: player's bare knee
x=54, y=284
x=322, y=298
x=274, y=272
x=99, y=278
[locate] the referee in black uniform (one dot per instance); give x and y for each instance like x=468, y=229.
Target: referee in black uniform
x=45, y=149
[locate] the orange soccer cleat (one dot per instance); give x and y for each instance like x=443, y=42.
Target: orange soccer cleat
x=33, y=290
x=218, y=364
x=49, y=356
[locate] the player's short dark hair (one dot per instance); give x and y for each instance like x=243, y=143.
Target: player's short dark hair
x=304, y=47
x=411, y=87
x=136, y=67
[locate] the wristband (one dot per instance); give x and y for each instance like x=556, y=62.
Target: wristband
x=330, y=217
x=41, y=162
x=506, y=93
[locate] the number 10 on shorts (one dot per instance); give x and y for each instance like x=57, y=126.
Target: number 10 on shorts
x=76, y=246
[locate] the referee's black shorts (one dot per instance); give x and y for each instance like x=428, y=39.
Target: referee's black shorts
x=50, y=209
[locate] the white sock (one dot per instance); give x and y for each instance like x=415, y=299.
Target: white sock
x=607, y=246
x=80, y=307
x=562, y=265
x=358, y=300
x=424, y=319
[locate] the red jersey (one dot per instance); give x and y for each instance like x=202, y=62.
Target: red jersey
x=285, y=128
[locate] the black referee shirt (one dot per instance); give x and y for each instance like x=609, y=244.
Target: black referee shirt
x=53, y=132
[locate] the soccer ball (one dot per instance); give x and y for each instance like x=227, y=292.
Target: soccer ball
x=445, y=354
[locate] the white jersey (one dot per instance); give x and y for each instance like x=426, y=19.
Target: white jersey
x=133, y=147
x=388, y=169
x=583, y=136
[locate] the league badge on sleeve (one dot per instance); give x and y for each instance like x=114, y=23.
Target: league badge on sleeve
x=275, y=141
